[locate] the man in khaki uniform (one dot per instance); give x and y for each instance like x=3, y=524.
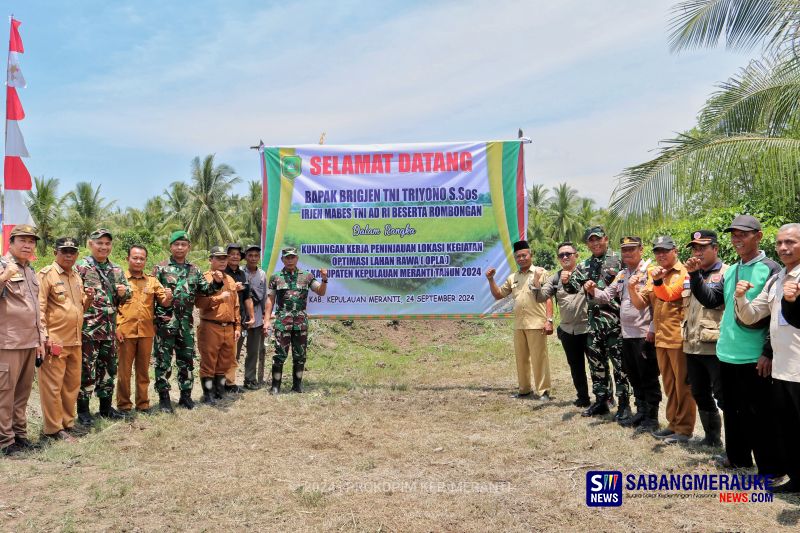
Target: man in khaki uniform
x=62, y=302
x=21, y=337
x=667, y=283
x=136, y=330
x=533, y=321
x=219, y=329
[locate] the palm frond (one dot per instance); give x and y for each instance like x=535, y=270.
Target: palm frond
x=742, y=23
x=727, y=166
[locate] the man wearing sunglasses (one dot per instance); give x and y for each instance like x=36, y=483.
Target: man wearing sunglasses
x=574, y=325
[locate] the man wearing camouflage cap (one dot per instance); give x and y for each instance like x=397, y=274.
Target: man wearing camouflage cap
x=62, y=301
x=21, y=337
x=605, y=334
x=287, y=293
x=175, y=324
x=99, y=341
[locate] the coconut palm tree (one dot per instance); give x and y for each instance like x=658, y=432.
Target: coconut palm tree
x=252, y=208
x=46, y=209
x=564, y=213
x=87, y=209
x=176, y=205
x=205, y=216
x=747, y=142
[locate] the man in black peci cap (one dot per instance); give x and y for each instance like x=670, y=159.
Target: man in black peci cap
x=533, y=321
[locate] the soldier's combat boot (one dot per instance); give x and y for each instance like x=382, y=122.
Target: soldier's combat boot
x=107, y=411
x=297, y=377
x=623, y=410
x=186, y=400
x=219, y=386
x=277, y=375
x=599, y=407
x=712, y=425
x=85, y=418
x=637, y=419
x=208, y=391
x=164, y=403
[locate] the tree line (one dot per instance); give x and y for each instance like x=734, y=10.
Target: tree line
x=204, y=205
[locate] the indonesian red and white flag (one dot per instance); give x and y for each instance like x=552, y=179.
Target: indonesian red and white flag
x=16, y=178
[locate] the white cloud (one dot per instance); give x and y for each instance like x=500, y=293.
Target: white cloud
x=245, y=82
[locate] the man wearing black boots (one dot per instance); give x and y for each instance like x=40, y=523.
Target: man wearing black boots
x=700, y=334
x=287, y=293
x=638, y=337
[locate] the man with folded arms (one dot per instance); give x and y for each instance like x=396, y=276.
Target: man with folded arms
x=62, y=301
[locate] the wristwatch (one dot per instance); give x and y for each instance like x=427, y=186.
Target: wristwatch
x=324, y=281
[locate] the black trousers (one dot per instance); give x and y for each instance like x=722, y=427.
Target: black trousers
x=786, y=396
x=575, y=348
x=750, y=428
x=641, y=365
x=705, y=382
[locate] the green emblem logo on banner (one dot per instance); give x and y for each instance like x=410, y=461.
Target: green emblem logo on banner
x=291, y=166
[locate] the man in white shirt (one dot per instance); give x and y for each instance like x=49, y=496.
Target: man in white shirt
x=777, y=300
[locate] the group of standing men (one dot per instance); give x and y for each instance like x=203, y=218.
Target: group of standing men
x=85, y=322
x=719, y=336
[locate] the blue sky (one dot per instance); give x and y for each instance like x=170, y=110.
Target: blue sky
x=125, y=94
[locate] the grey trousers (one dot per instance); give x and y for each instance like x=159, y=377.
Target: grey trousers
x=254, y=361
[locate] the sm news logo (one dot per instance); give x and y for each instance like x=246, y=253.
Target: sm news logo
x=603, y=488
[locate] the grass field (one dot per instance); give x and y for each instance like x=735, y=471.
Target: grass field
x=402, y=428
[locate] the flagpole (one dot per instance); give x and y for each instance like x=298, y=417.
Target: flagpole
x=5, y=142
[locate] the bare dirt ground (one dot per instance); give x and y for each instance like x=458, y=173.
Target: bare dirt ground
x=402, y=428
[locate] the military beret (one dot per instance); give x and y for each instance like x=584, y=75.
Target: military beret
x=179, y=235
x=24, y=230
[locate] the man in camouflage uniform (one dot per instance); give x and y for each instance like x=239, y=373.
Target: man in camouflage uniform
x=604, y=340
x=175, y=324
x=98, y=340
x=287, y=293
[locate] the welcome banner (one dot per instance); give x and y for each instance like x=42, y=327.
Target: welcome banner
x=405, y=231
